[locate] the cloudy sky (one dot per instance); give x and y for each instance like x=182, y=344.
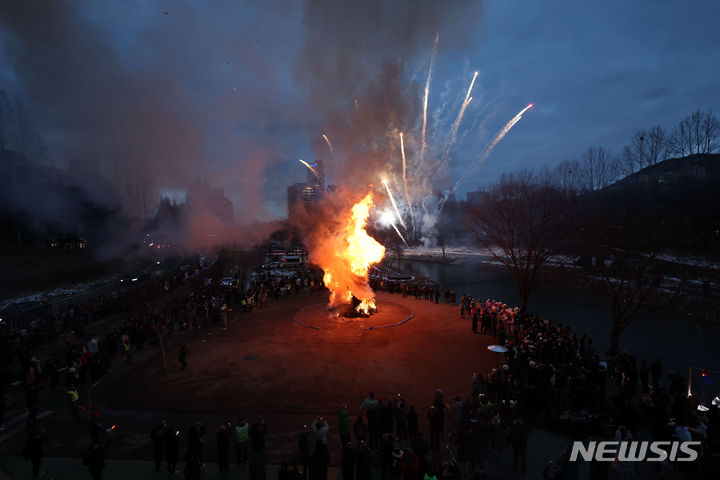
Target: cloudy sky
x=235, y=92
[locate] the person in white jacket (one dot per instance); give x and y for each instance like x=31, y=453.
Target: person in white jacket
x=320, y=429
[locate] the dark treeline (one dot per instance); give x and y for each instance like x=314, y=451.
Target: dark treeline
x=662, y=185
x=597, y=168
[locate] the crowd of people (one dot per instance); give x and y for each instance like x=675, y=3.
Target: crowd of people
x=551, y=378
x=419, y=289
x=87, y=356
x=548, y=377
x=31, y=327
x=241, y=437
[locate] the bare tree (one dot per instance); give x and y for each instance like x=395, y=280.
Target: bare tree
x=597, y=168
x=634, y=156
x=522, y=222
x=646, y=148
x=440, y=239
x=657, y=144
x=710, y=129
x=566, y=176
x=698, y=133
x=636, y=286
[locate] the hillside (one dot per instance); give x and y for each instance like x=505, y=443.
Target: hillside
x=672, y=205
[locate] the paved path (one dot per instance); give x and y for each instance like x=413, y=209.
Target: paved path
x=72, y=468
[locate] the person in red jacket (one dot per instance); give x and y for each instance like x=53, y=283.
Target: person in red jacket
x=410, y=465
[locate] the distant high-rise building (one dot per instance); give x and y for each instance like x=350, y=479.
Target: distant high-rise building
x=316, y=176
x=306, y=196
x=302, y=196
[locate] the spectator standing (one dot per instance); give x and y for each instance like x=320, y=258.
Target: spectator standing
x=410, y=465
x=344, y=424
x=222, y=437
x=349, y=456
x=518, y=438
x=320, y=429
x=362, y=466
x=257, y=459
x=172, y=447
x=95, y=459
x=32, y=399
x=401, y=419
x=305, y=451
x=320, y=461
x=182, y=357
x=33, y=450
x=241, y=441
x=412, y=422
x=434, y=415
x=360, y=430
x=157, y=435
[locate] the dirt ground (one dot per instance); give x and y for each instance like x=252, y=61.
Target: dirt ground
x=267, y=364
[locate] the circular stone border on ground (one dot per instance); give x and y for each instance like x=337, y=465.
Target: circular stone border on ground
x=317, y=317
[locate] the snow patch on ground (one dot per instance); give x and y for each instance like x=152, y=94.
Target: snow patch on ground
x=48, y=296
x=691, y=261
x=483, y=254
x=450, y=252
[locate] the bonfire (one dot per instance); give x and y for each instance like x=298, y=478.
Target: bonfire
x=346, y=259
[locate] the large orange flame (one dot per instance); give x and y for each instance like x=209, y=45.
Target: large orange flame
x=353, y=252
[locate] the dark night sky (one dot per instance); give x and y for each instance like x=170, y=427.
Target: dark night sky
x=224, y=91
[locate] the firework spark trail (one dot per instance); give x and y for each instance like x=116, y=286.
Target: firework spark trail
x=488, y=151
x=310, y=167
x=478, y=116
x=392, y=200
x=399, y=234
x=357, y=106
x=423, y=143
x=472, y=82
x=405, y=185
x=456, y=125
x=329, y=144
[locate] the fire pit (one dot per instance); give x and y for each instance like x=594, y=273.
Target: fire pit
x=319, y=317
x=354, y=311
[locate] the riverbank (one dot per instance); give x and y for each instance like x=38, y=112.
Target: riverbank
x=681, y=341
x=699, y=288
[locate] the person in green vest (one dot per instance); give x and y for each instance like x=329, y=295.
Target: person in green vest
x=74, y=398
x=127, y=350
x=430, y=472
x=241, y=441
x=344, y=425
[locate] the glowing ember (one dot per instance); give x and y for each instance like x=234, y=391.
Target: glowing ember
x=329, y=144
x=352, y=254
